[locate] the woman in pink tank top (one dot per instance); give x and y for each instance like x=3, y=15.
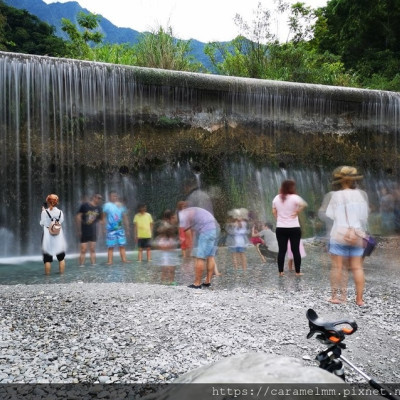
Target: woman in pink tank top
x=286, y=208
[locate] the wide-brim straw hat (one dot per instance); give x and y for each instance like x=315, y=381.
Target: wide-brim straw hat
x=235, y=213
x=345, y=173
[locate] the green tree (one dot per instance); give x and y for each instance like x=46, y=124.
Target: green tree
x=83, y=35
x=259, y=55
x=3, y=40
x=301, y=20
x=299, y=62
x=240, y=57
x=365, y=34
x=114, y=54
x=22, y=32
x=247, y=54
x=159, y=49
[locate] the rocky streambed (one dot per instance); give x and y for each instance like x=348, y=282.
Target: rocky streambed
x=126, y=333
x=96, y=334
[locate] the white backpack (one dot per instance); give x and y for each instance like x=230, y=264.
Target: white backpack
x=55, y=226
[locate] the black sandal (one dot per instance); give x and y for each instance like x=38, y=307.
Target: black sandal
x=193, y=286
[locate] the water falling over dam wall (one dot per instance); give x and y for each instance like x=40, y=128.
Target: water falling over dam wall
x=70, y=102
x=74, y=127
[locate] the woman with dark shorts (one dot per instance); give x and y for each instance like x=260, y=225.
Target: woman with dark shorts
x=286, y=208
x=52, y=245
x=89, y=214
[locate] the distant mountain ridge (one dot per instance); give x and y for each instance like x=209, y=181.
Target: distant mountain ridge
x=52, y=14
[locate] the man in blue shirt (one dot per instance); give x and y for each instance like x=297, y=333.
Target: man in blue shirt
x=116, y=226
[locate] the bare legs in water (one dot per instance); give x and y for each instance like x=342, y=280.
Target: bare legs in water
x=339, y=277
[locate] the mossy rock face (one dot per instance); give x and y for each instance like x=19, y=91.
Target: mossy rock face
x=166, y=141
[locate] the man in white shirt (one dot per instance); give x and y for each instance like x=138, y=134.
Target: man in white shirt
x=270, y=245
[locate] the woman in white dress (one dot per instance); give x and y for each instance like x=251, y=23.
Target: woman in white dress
x=348, y=208
x=52, y=244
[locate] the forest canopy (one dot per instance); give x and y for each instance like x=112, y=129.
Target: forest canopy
x=345, y=43
x=22, y=32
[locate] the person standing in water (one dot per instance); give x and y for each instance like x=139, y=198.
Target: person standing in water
x=89, y=214
x=52, y=244
x=286, y=208
x=206, y=230
x=117, y=227
x=348, y=208
x=143, y=231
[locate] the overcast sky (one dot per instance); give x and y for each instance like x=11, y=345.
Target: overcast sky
x=204, y=20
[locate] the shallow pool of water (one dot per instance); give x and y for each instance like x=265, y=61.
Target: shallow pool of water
x=381, y=270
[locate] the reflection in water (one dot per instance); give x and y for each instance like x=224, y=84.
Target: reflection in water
x=381, y=271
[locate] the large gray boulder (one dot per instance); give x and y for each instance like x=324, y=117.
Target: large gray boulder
x=258, y=368
x=256, y=376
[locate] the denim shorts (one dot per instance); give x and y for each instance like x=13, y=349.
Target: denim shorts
x=206, y=244
x=116, y=238
x=237, y=249
x=345, y=250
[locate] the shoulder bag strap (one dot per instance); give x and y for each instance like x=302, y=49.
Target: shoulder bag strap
x=49, y=215
x=345, y=211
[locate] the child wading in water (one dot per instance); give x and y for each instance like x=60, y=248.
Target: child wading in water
x=167, y=242
x=239, y=232
x=143, y=230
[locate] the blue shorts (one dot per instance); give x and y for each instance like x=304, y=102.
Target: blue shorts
x=237, y=249
x=344, y=250
x=206, y=244
x=116, y=238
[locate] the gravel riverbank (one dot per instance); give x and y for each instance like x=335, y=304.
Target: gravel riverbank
x=144, y=333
